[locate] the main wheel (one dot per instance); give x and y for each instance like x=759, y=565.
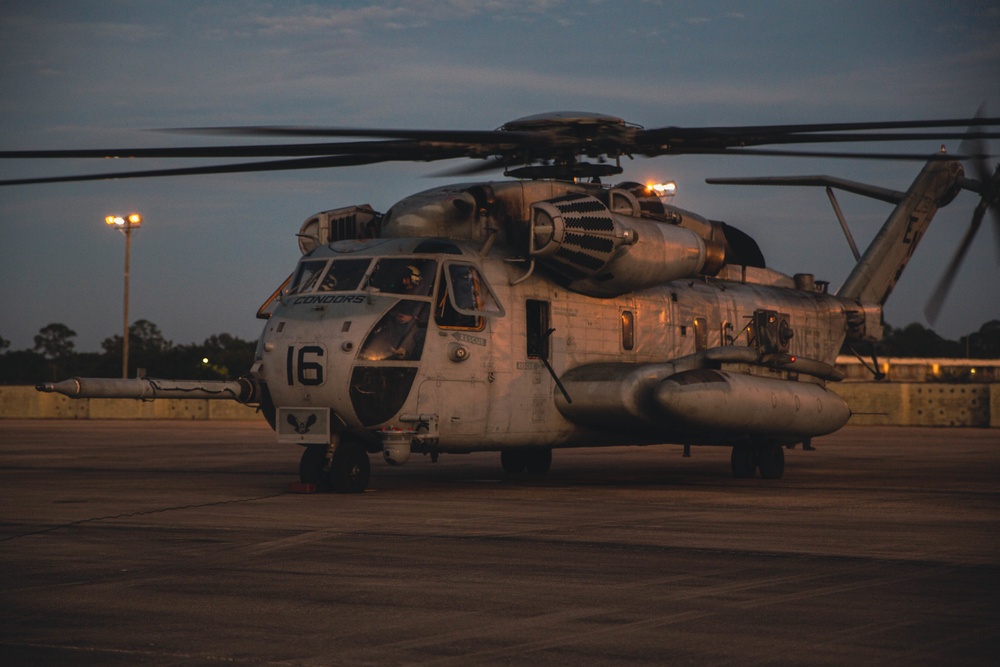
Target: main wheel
x=311, y=465
x=350, y=469
x=743, y=461
x=771, y=461
x=513, y=460
x=539, y=460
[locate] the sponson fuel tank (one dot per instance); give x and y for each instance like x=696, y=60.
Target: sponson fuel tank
x=716, y=400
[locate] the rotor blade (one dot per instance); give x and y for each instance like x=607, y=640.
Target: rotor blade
x=736, y=130
x=995, y=211
x=450, y=136
x=471, y=170
x=976, y=148
x=407, y=148
x=873, y=191
x=488, y=136
x=674, y=139
x=270, y=165
x=519, y=146
x=933, y=307
x=790, y=153
x=284, y=150
x=647, y=142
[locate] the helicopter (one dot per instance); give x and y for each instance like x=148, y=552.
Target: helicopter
x=550, y=309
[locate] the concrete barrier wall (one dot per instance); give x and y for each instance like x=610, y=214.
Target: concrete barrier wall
x=27, y=403
x=873, y=403
x=924, y=404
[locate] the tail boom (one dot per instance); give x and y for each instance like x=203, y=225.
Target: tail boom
x=876, y=274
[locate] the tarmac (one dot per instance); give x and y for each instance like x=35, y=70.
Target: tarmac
x=168, y=543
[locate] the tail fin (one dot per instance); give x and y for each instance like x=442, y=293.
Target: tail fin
x=875, y=275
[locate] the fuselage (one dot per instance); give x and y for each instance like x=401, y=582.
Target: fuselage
x=468, y=345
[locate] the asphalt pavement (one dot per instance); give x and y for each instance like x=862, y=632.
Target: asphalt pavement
x=179, y=543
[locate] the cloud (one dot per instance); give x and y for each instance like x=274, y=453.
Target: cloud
x=399, y=15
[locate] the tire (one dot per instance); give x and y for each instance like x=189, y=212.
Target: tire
x=350, y=469
x=311, y=465
x=743, y=461
x=538, y=461
x=513, y=460
x=771, y=461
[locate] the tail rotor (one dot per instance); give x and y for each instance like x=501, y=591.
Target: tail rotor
x=987, y=185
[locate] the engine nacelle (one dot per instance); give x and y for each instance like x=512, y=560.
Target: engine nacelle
x=601, y=253
x=352, y=222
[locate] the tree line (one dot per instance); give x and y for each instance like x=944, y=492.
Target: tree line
x=54, y=357
x=915, y=340
x=226, y=357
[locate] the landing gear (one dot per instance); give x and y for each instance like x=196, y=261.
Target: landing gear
x=539, y=460
x=347, y=472
x=771, y=461
x=536, y=460
x=768, y=458
x=312, y=465
x=743, y=461
x=513, y=460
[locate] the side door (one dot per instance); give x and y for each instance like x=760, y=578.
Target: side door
x=458, y=360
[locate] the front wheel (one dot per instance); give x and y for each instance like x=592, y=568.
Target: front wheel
x=312, y=465
x=350, y=469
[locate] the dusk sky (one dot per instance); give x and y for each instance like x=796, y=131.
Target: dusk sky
x=106, y=73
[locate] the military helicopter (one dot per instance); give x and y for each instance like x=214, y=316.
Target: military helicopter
x=549, y=309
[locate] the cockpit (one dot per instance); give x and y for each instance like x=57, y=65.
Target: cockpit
x=380, y=310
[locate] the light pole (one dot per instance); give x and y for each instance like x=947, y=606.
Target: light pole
x=125, y=225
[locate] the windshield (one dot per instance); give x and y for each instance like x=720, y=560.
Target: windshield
x=411, y=276
x=307, y=276
x=344, y=275
x=398, y=275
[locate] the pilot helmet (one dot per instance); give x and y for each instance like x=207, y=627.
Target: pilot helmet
x=414, y=275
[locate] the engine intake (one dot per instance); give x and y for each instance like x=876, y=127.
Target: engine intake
x=601, y=253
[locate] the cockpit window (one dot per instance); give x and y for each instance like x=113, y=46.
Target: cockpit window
x=307, y=276
x=471, y=293
x=466, y=299
x=399, y=335
x=411, y=276
x=344, y=275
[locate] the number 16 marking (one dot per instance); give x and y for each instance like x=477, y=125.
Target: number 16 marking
x=302, y=370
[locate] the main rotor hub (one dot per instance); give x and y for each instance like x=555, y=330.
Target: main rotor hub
x=556, y=120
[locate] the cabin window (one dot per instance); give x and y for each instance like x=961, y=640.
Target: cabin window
x=628, y=330
x=537, y=314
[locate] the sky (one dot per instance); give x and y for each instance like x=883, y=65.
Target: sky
x=107, y=73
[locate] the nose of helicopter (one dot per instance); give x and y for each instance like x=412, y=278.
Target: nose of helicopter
x=356, y=354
